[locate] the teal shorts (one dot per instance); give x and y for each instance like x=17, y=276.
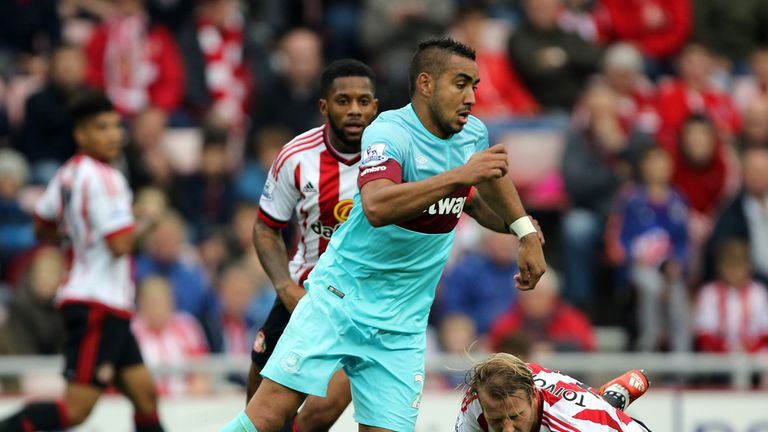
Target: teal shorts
x=385, y=369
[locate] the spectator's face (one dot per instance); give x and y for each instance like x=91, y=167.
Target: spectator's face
x=759, y=65
x=101, y=136
x=695, y=64
x=301, y=53
x=542, y=13
x=540, y=302
x=217, y=11
x=10, y=185
x=350, y=107
x=156, y=303
x=68, y=68
x=501, y=248
x=621, y=80
x=735, y=273
x=601, y=101
x=129, y=7
x=756, y=121
x=756, y=173
x=235, y=292
x=656, y=168
x=453, y=94
x=457, y=333
x=699, y=143
x=516, y=413
x=148, y=127
x=166, y=241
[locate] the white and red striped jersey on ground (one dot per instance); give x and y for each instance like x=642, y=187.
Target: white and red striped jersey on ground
x=317, y=182
x=565, y=405
x=91, y=201
x=181, y=339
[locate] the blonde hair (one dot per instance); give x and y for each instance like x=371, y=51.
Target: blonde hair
x=500, y=376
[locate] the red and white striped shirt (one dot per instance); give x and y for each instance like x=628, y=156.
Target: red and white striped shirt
x=731, y=318
x=317, y=182
x=565, y=405
x=91, y=201
x=182, y=338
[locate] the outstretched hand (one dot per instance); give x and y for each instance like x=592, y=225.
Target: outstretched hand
x=531, y=262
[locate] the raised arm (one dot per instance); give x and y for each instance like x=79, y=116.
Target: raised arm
x=501, y=196
x=386, y=202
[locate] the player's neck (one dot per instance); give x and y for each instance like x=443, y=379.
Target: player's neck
x=95, y=156
x=339, y=145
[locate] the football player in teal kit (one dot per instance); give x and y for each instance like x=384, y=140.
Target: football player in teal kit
x=370, y=293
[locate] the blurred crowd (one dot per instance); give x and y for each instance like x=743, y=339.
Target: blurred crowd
x=637, y=129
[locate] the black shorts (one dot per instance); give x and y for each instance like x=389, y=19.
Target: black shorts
x=99, y=344
x=268, y=335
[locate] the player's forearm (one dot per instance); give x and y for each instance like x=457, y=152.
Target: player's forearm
x=479, y=210
x=272, y=254
x=502, y=197
x=393, y=203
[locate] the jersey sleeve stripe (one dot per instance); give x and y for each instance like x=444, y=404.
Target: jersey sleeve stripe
x=294, y=147
x=389, y=170
x=554, y=427
x=284, y=158
x=270, y=221
x=562, y=424
x=118, y=232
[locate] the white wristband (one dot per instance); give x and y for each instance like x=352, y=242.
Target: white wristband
x=522, y=227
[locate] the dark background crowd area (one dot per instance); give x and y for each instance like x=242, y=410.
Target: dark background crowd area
x=637, y=132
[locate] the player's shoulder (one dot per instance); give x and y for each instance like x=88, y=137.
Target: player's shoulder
x=476, y=127
x=397, y=121
x=298, y=147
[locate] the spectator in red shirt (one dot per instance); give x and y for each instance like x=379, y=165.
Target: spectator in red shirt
x=136, y=63
x=658, y=28
x=692, y=93
x=552, y=324
x=636, y=104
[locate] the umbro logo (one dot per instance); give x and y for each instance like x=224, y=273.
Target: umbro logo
x=421, y=161
x=309, y=187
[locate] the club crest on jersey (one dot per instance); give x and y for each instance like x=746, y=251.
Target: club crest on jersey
x=447, y=206
x=374, y=155
x=341, y=210
x=468, y=152
x=269, y=188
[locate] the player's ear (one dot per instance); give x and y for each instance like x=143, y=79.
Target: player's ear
x=375, y=106
x=424, y=84
x=323, y=105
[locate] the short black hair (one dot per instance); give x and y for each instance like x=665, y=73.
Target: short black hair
x=87, y=104
x=432, y=55
x=343, y=68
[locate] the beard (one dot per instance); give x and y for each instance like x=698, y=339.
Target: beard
x=339, y=132
x=444, y=125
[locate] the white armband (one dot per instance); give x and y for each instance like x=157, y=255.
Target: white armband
x=522, y=227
